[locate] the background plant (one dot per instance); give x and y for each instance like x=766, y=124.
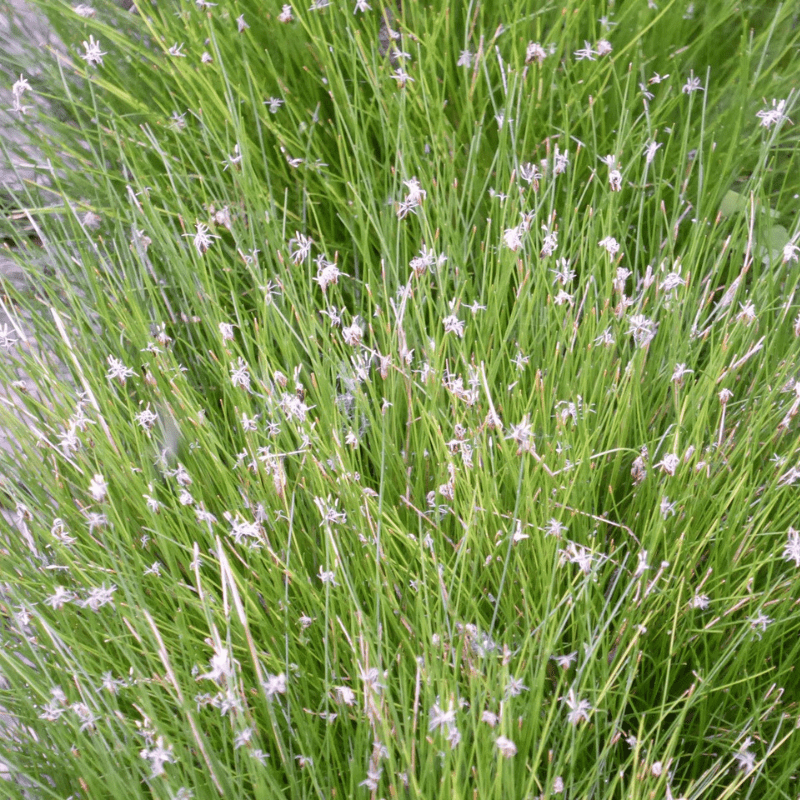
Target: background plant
x=406, y=422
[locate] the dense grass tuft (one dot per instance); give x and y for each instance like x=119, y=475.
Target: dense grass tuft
x=407, y=423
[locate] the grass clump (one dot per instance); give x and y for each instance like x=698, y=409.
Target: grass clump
x=406, y=420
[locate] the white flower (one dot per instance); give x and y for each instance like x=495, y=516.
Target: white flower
x=642, y=329
x=99, y=597
x=96, y=520
x=745, y=759
x=791, y=551
x=454, y=737
x=91, y=220
x=175, y=50
x=550, y=243
x=506, y=747
x=426, y=260
x=60, y=597
x=59, y=532
x=673, y=280
x=560, y=161
x=565, y=661
x=465, y=59
x=181, y=475
x=161, y=335
x=667, y=509
x=575, y=553
x=293, y=407
x=286, y=14
x=620, y=279
x=402, y=77
x=111, y=684
x=51, y=711
x=98, y=488
x=579, y=709
x=515, y=687
x=606, y=338
x=759, y=623
x=17, y=90
x=327, y=273
x=93, y=55
x=562, y=297
x=610, y=161
x=241, y=24
x=724, y=396
x=610, y=245
x=153, y=504
x=329, y=511
x=201, y=238
x=747, y=314
x=679, y=372
x=327, y=576
x=693, y=84
x=116, y=369
x=205, y=517
x=158, y=756
x=363, y=6
x=773, y=116
x=669, y=463
x=373, y=779
x=512, y=238
x=650, y=151
x=585, y=53
x=221, y=666
x=490, y=718
x=85, y=715
x=522, y=435
x=535, y=52
x=642, y=565
x=243, y=737
x=441, y=719
x=790, y=252
x=7, y=338
x=404, y=207
x=563, y=273
x=789, y=478
x=530, y=174
x=555, y=528
x=274, y=104
x=353, y=334
x=299, y=247
x=275, y=684
x=603, y=47
x=230, y=161
x=416, y=194
x=154, y=569
x=240, y=374
x=84, y=11
x=345, y=695
x=453, y=324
